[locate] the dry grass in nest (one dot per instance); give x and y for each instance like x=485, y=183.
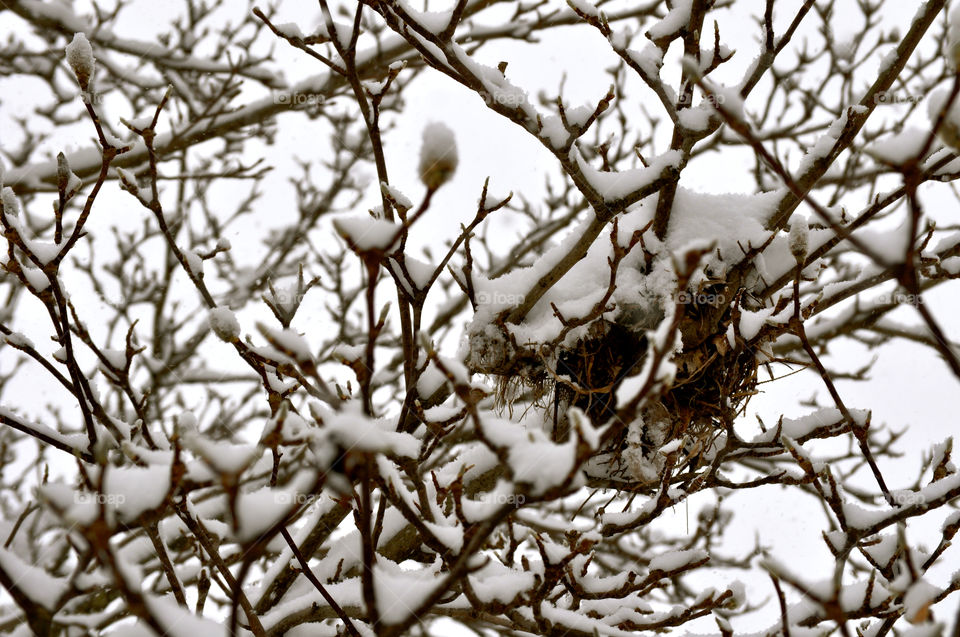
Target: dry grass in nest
x=713, y=384
x=531, y=388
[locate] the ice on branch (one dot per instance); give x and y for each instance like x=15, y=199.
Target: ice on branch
x=67, y=181
x=584, y=7
x=399, y=590
x=223, y=457
x=224, y=324
x=194, y=263
x=136, y=490
x=676, y=19
x=917, y=600
x=496, y=582
x=825, y=144
x=394, y=193
x=532, y=457
x=80, y=58
x=433, y=21
x=9, y=201
x=807, y=426
x=799, y=238
x=678, y=560
x=365, y=234
x=33, y=581
x=613, y=186
x=257, y=511
x=289, y=30
x=898, y=148
x=353, y=430
x=438, y=155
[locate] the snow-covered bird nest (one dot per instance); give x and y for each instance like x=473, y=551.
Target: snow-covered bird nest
x=711, y=384
x=588, y=340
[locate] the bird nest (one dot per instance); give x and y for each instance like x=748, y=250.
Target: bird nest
x=714, y=380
